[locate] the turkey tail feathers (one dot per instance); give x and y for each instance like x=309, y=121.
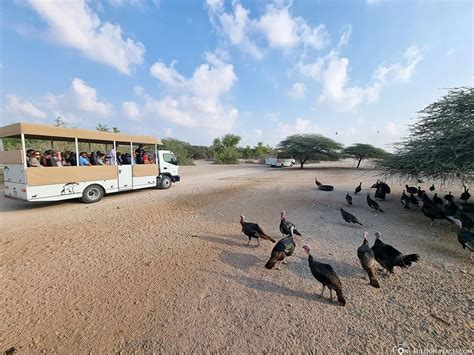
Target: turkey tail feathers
x=270, y=264
x=267, y=237
x=408, y=259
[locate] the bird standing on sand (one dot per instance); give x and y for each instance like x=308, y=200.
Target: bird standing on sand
x=349, y=199
x=285, y=247
x=349, y=218
x=373, y=204
x=388, y=257
x=325, y=274
x=253, y=230
x=405, y=200
x=465, y=195
x=432, y=188
x=367, y=260
x=358, y=188
x=286, y=225
x=317, y=182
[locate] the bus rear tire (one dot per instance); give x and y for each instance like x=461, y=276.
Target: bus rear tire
x=165, y=182
x=92, y=193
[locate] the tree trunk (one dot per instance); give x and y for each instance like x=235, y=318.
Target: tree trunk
x=302, y=162
x=358, y=164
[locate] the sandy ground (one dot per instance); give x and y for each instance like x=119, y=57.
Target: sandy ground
x=155, y=271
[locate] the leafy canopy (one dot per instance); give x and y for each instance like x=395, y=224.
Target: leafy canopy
x=361, y=151
x=441, y=143
x=225, y=149
x=314, y=147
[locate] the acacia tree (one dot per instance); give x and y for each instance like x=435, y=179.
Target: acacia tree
x=441, y=143
x=361, y=151
x=314, y=147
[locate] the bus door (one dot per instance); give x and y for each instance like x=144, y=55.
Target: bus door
x=125, y=180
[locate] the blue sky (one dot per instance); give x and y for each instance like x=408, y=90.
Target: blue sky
x=355, y=71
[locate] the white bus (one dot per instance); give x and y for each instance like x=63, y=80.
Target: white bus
x=89, y=183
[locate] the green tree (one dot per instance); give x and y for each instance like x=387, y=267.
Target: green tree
x=314, y=147
x=246, y=152
x=102, y=128
x=260, y=150
x=115, y=130
x=361, y=151
x=441, y=142
x=59, y=122
x=225, y=149
x=180, y=149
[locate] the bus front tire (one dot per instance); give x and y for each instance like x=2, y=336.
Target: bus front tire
x=92, y=193
x=165, y=182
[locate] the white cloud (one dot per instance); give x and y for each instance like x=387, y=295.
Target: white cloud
x=198, y=102
x=297, y=91
x=78, y=104
x=138, y=90
x=391, y=129
x=277, y=26
x=346, y=34
x=168, y=132
x=167, y=75
x=285, y=129
x=337, y=91
x=398, y=72
x=130, y=111
x=22, y=109
x=74, y=24
x=312, y=70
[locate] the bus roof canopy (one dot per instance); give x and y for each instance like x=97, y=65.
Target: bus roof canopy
x=44, y=131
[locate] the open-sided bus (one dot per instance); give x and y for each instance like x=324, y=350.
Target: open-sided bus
x=90, y=182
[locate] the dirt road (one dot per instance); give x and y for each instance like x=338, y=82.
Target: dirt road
x=168, y=271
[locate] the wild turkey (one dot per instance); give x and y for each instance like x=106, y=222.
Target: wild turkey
x=358, y=188
x=381, y=185
x=411, y=189
x=451, y=208
x=349, y=199
x=437, y=200
x=420, y=192
x=405, y=200
x=432, y=188
x=380, y=193
x=373, y=204
x=413, y=200
x=317, y=182
x=420, y=180
x=388, y=257
x=465, y=195
x=449, y=197
x=253, y=230
x=466, y=221
x=285, y=225
x=325, y=274
x=434, y=212
x=349, y=218
x=426, y=200
x=367, y=260
x=466, y=239
x=285, y=247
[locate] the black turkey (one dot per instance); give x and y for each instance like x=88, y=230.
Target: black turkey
x=373, y=204
x=317, y=182
x=349, y=218
x=380, y=193
x=465, y=195
x=349, y=199
x=405, y=200
x=437, y=200
x=253, y=230
x=367, y=260
x=285, y=247
x=325, y=274
x=411, y=189
x=388, y=257
x=286, y=225
x=358, y=188
x=432, y=188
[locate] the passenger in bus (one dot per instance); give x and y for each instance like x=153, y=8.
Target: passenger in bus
x=28, y=156
x=46, y=158
x=56, y=159
x=126, y=159
x=119, y=158
x=70, y=159
x=145, y=158
x=101, y=159
x=138, y=156
x=93, y=158
x=84, y=159
x=35, y=158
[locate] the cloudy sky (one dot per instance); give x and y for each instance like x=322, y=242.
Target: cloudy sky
x=355, y=71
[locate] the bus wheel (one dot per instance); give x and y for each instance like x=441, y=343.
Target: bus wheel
x=92, y=193
x=165, y=182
